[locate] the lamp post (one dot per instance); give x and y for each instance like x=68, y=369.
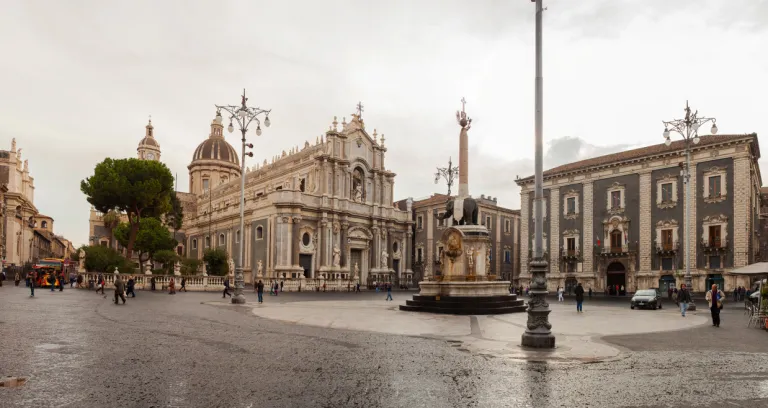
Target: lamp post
x=448, y=173
x=538, y=333
x=688, y=128
x=244, y=116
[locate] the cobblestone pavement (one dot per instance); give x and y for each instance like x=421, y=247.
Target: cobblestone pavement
x=79, y=350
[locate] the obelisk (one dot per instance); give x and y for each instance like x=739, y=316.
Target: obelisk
x=465, y=124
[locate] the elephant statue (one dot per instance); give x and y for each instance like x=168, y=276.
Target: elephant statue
x=469, y=213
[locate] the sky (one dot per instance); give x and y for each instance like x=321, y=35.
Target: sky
x=80, y=78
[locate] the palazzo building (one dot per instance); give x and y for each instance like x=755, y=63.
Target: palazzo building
x=322, y=210
x=18, y=207
x=503, y=225
x=618, y=219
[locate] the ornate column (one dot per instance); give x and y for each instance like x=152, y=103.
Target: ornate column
x=376, y=257
x=388, y=242
x=281, y=223
x=321, y=244
x=407, y=251
x=295, y=241
x=343, y=245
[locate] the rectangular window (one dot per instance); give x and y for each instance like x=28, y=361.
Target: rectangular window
x=666, y=239
x=571, y=246
x=615, y=199
x=714, y=186
x=714, y=262
x=207, y=242
x=419, y=222
x=616, y=241
x=419, y=254
x=488, y=222
x=714, y=236
x=666, y=193
x=443, y=222
x=507, y=257
x=507, y=226
x=666, y=263
x=571, y=205
x=205, y=184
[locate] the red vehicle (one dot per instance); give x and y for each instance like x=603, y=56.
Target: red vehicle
x=45, y=268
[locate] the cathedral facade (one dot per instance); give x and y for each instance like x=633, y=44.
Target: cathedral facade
x=321, y=210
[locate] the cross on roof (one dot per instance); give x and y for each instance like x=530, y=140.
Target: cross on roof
x=359, y=109
x=463, y=102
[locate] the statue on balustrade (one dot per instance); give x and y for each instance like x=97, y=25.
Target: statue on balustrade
x=336, y=256
x=259, y=268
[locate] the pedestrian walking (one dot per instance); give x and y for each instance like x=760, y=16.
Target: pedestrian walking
x=389, y=291
x=357, y=287
x=560, y=294
x=281, y=285
x=683, y=297
x=183, y=285
x=579, y=292
x=715, y=299
x=152, y=284
x=131, y=286
x=226, y=288
x=172, y=287
x=31, y=278
x=590, y=292
x=17, y=278
x=79, y=281
x=61, y=281
x=271, y=289
x=119, y=289
x=260, y=291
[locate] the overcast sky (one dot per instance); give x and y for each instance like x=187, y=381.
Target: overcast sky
x=79, y=79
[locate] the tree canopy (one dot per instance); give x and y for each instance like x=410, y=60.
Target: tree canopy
x=173, y=218
x=102, y=259
x=216, y=259
x=152, y=236
x=139, y=188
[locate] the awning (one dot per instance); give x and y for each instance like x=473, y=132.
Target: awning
x=759, y=268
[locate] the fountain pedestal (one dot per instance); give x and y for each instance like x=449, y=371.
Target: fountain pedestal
x=464, y=286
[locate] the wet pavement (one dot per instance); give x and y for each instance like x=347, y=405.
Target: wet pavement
x=79, y=350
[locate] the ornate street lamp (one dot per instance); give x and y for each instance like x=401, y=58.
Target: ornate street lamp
x=448, y=173
x=688, y=128
x=538, y=333
x=244, y=116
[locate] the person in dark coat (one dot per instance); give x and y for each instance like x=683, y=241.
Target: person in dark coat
x=119, y=289
x=579, y=292
x=226, y=288
x=131, y=286
x=683, y=298
x=260, y=290
x=152, y=283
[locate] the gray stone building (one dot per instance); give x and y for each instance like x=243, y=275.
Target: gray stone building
x=618, y=219
x=502, y=223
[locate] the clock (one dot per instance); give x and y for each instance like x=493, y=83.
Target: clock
x=151, y=156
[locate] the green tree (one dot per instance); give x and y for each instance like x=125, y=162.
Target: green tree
x=216, y=259
x=111, y=220
x=190, y=266
x=138, y=188
x=174, y=217
x=76, y=255
x=151, y=237
x=102, y=259
x=166, y=257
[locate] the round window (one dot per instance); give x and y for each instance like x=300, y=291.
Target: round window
x=394, y=247
x=305, y=239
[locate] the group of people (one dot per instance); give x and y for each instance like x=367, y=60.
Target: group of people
x=714, y=298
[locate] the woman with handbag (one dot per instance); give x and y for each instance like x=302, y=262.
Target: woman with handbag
x=715, y=298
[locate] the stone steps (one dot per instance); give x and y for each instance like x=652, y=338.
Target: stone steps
x=463, y=305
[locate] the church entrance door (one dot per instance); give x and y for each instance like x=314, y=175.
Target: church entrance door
x=616, y=276
x=305, y=260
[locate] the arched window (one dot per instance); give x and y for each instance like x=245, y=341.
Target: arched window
x=207, y=242
x=44, y=224
x=194, y=244
x=221, y=239
x=237, y=236
x=259, y=232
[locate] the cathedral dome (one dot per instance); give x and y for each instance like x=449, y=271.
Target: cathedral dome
x=215, y=147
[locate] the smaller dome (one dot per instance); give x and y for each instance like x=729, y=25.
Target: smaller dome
x=216, y=148
x=149, y=141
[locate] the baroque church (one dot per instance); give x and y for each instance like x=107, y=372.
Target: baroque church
x=321, y=210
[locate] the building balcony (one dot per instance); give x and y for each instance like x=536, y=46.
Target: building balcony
x=714, y=245
x=570, y=254
x=667, y=248
x=615, y=251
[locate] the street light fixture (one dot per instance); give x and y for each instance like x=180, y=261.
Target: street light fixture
x=244, y=116
x=448, y=173
x=688, y=128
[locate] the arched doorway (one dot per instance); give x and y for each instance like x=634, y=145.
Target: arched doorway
x=616, y=277
x=570, y=285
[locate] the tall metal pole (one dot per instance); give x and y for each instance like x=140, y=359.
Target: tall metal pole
x=538, y=333
x=243, y=115
x=687, y=221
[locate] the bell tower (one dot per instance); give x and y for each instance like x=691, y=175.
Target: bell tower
x=148, y=148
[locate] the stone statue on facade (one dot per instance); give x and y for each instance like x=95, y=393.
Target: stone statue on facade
x=231, y=265
x=384, y=257
x=81, y=266
x=336, y=256
x=259, y=268
x=177, y=268
x=357, y=270
x=359, y=193
x=471, y=260
x=487, y=260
